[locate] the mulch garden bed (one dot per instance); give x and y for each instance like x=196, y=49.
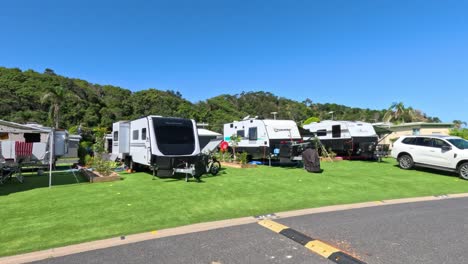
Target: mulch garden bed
x=94, y=176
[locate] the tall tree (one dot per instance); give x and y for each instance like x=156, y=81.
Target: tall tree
x=55, y=95
x=399, y=113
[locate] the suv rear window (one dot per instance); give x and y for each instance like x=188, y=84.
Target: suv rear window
x=423, y=141
x=409, y=140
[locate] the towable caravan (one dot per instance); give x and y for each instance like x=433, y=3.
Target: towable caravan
x=166, y=145
x=262, y=138
x=346, y=138
x=30, y=146
x=30, y=143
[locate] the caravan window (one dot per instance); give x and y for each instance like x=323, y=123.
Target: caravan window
x=241, y=133
x=336, y=131
x=252, y=133
x=321, y=132
x=174, y=136
x=143, y=134
x=135, y=135
x=4, y=136
x=32, y=137
x=116, y=136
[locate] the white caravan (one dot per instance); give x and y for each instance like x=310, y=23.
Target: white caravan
x=166, y=145
x=347, y=138
x=262, y=138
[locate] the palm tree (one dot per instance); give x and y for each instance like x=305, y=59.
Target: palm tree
x=55, y=96
x=411, y=115
x=458, y=123
x=398, y=112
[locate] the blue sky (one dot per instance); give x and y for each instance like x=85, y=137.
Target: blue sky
x=358, y=53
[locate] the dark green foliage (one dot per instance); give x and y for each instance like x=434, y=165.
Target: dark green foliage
x=85, y=149
x=155, y=102
x=92, y=105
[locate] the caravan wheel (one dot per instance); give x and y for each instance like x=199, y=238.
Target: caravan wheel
x=215, y=167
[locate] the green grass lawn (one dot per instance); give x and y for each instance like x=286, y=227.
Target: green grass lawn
x=35, y=217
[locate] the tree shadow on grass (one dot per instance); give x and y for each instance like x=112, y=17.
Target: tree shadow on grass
x=32, y=181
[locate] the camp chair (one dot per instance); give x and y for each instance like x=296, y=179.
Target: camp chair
x=8, y=170
x=4, y=176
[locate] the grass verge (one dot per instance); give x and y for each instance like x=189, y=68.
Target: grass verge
x=35, y=217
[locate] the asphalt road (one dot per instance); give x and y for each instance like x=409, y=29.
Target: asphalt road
x=424, y=232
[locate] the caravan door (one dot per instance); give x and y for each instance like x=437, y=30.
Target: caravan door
x=147, y=145
x=139, y=144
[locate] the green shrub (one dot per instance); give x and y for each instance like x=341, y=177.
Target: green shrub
x=218, y=155
x=88, y=160
x=104, y=167
x=243, y=157
x=462, y=132
x=84, y=149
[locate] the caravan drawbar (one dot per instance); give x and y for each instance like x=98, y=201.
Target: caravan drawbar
x=166, y=145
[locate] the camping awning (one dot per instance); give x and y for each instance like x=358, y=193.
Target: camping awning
x=380, y=130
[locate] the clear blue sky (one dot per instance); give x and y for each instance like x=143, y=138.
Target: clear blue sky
x=358, y=53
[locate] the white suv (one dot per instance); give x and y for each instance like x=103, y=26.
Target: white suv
x=438, y=152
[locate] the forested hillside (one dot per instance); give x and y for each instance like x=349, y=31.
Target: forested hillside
x=46, y=98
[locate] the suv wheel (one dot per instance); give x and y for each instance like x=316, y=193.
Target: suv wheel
x=463, y=171
x=406, y=162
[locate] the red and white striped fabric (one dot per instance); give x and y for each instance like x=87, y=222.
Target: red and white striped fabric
x=23, y=149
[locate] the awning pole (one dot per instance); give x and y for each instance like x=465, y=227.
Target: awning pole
x=51, y=155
